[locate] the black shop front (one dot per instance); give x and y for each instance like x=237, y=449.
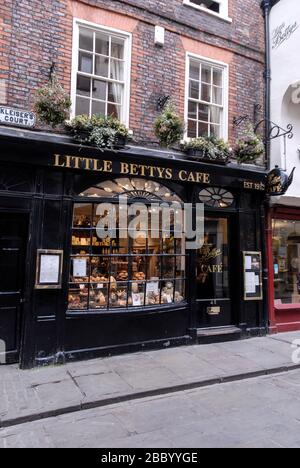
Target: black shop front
x=68, y=294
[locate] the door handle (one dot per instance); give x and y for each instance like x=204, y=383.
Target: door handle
x=23, y=301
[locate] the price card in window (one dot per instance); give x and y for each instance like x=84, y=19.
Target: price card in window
x=136, y=300
x=79, y=267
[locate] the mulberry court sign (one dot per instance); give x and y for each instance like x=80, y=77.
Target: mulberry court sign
x=17, y=117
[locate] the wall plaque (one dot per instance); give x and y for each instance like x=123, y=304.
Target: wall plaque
x=17, y=117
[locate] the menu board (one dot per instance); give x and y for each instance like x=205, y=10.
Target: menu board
x=253, y=285
x=49, y=269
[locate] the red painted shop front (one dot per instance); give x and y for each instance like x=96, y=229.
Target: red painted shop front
x=283, y=244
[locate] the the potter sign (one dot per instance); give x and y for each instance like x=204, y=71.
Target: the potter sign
x=17, y=117
x=283, y=33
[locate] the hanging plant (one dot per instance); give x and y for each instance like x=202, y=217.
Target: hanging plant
x=52, y=103
x=169, y=127
x=250, y=147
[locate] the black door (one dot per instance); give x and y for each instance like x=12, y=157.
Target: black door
x=214, y=274
x=12, y=261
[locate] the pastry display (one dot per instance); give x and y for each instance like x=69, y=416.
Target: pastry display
x=122, y=276
x=139, y=276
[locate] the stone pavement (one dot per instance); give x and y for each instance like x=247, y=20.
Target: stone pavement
x=50, y=391
x=262, y=412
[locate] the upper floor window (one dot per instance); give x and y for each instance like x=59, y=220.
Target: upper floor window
x=207, y=99
x=216, y=7
x=102, y=70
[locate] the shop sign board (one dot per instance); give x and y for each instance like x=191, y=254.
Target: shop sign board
x=17, y=117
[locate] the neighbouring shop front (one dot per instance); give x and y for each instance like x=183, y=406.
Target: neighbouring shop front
x=68, y=294
x=285, y=269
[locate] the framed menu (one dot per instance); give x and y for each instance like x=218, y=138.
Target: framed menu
x=49, y=269
x=253, y=284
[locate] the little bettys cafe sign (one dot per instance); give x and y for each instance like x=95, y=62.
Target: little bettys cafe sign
x=17, y=117
x=130, y=169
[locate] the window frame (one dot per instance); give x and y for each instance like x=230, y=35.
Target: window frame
x=77, y=23
x=225, y=113
x=223, y=9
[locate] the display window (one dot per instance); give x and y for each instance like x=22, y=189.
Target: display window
x=121, y=271
x=286, y=256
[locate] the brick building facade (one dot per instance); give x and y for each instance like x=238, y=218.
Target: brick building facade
x=65, y=294
x=35, y=34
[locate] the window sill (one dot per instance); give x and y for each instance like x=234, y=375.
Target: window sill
x=209, y=12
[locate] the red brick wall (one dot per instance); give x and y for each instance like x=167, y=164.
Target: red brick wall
x=35, y=33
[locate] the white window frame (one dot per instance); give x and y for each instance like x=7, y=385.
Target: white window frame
x=225, y=114
x=223, y=9
x=77, y=23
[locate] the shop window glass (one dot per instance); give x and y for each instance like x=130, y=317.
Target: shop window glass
x=286, y=255
x=122, y=272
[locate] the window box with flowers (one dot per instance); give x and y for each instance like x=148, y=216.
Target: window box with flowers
x=208, y=149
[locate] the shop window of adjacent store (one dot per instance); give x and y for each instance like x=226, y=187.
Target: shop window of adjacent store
x=206, y=99
x=215, y=7
x=286, y=255
x=121, y=272
x=101, y=73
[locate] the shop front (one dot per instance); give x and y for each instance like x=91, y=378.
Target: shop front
x=284, y=246
x=69, y=293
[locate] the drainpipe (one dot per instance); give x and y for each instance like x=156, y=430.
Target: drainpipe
x=266, y=6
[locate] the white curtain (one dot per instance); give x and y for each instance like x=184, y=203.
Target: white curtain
x=117, y=89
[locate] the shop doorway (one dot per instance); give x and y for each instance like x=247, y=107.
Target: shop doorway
x=13, y=234
x=214, y=274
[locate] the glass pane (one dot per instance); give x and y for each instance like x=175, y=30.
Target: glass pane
x=194, y=89
x=80, y=269
x=206, y=74
x=138, y=268
x=86, y=38
x=78, y=298
x=192, y=129
x=212, y=261
x=115, y=93
x=100, y=269
x=101, y=66
x=99, y=90
x=83, y=86
x=215, y=115
x=99, y=296
x=202, y=129
x=82, y=216
x=113, y=110
x=206, y=93
x=168, y=267
x=286, y=254
x=98, y=107
x=152, y=293
x=117, y=70
x=218, y=77
x=118, y=295
x=194, y=70
x=180, y=267
x=102, y=44
x=192, y=110
x=167, y=292
x=136, y=296
x=153, y=268
x=203, y=112
x=217, y=95
x=117, y=48
x=82, y=106
x=179, y=291
x=85, y=64
x=215, y=130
